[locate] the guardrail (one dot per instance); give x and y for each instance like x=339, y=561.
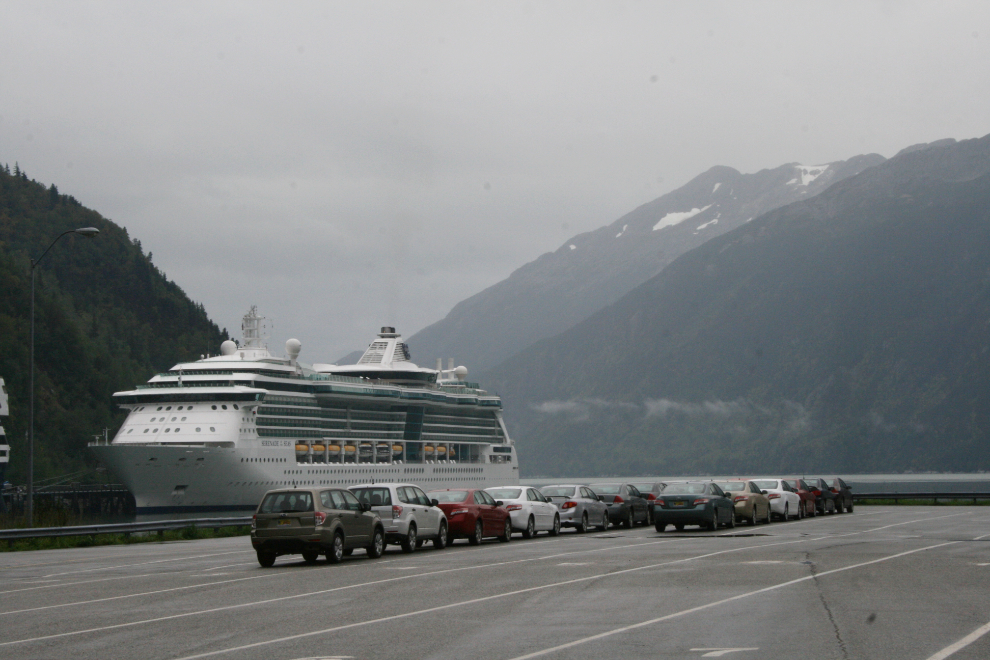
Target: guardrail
x=126, y=529
x=924, y=495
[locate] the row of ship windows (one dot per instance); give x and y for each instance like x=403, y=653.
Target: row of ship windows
x=168, y=430
x=263, y=460
x=167, y=408
x=324, y=482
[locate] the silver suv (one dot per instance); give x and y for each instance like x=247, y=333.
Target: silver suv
x=409, y=516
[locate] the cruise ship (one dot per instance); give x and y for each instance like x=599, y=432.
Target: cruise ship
x=217, y=433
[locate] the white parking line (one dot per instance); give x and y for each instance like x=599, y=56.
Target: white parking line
x=386, y=581
x=962, y=643
x=114, y=567
x=617, y=631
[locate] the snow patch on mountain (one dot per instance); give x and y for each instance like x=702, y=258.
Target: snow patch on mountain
x=808, y=174
x=624, y=228
x=716, y=187
x=678, y=217
x=573, y=247
x=713, y=221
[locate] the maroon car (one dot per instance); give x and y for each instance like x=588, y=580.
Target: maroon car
x=808, y=499
x=472, y=514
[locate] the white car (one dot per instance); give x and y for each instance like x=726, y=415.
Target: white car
x=409, y=516
x=785, y=503
x=529, y=511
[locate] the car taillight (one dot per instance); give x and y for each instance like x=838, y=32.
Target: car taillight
x=320, y=518
x=457, y=512
x=701, y=500
x=568, y=505
x=618, y=500
x=254, y=521
x=514, y=507
x=773, y=496
x=834, y=490
x=651, y=497
x=739, y=498
x=817, y=492
x=396, y=511
x=658, y=502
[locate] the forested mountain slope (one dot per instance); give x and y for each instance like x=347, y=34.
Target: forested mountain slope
x=849, y=332
x=106, y=319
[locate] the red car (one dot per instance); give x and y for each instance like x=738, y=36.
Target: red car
x=472, y=514
x=808, y=499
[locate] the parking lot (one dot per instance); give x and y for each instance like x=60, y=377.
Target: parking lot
x=883, y=582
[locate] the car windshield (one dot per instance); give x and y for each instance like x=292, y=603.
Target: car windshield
x=505, y=493
x=732, y=485
x=685, y=489
x=607, y=489
x=793, y=483
x=558, y=491
x=292, y=502
x=766, y=484
x=448, y=496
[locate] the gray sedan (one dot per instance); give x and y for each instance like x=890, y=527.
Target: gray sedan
x=579, y=506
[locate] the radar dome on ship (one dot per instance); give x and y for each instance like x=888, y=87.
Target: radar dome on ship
x=228, y=347
x=292, y=348
x=461, y=372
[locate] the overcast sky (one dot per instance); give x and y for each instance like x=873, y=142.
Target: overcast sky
x=350, y=165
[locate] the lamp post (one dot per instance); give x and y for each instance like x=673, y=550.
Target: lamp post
x=88, y=232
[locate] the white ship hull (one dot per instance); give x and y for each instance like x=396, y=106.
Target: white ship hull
x=178, y=479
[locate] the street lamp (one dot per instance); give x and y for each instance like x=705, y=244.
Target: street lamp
x=88, y=232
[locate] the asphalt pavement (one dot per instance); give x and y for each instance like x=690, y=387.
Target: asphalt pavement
x=883, y=582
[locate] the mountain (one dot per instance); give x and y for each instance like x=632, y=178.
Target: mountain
x=846, y=333
x=592, y=270
x=106, y=319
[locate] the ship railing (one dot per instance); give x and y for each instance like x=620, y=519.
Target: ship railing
x=126, y=529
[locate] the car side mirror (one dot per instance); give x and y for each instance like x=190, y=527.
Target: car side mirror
x=499, y=503
x=763, y=492
x=434, y=503
x=365, y=506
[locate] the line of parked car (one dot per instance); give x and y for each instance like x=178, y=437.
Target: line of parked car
x=335, y=521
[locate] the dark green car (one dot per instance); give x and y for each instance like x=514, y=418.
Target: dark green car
x=315, y=521
x=701, y=503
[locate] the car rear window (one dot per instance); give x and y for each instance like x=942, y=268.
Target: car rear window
x=373, y=496
x=607, y=489
x=558, y=491
x=765, y=485
x=291, y=502
x=448, y=496
x=505, y=493
x=685, y=489
x=732, y=485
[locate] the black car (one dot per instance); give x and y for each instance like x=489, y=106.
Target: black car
x=825, y=499
x=843, y=495
x=693, y=503
x=626, y=505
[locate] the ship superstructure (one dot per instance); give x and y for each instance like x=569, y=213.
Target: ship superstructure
x=215, y=434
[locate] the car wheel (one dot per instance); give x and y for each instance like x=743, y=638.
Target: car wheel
x=604, y=526
x=752, y=518
x=475, y=539
x=769, y=517
x=849, y=508
x=649, y=515
x=310, y=555
x=787, y=512
x=440, y=542
x=266, y=559
x=409, y=543
x=336, y=552
x=628, y=522
x=555, y=530
x=506, y=532
x=713, y=523
x=659, y=527
x=583, y=527
x=377, y=546
x=732, y=520
x=530, y=530
x=801, y=509
x=829, y=506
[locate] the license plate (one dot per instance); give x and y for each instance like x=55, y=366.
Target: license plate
x=679, y=503
x=284, y=522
